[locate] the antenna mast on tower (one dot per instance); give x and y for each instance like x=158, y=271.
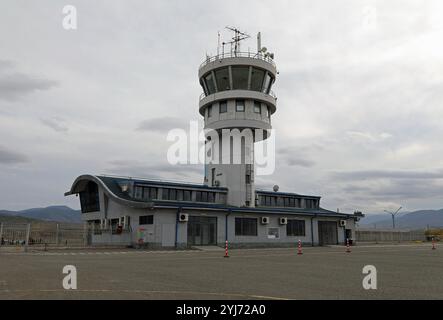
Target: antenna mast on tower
x=238, y=36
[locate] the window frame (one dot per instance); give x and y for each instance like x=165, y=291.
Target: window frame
x=296, y=231
x=225, y=109
x=237, y=105
x=257, y=105
x=149, y=220
x=241, y=229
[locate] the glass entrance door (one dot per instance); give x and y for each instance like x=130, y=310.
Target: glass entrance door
x=202, y=230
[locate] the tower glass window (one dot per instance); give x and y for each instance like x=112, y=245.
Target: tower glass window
x=223, y=106
x=210, y=111
x=257, y=107
x=210, y=83
x=240, y=105
x=240, y=76
x=222, y=77
x=257, y=77
x=267, y=84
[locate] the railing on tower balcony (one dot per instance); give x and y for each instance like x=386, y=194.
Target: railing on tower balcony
x=271, y=93
x=253, y=55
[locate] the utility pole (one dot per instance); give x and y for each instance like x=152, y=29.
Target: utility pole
x=393, y=216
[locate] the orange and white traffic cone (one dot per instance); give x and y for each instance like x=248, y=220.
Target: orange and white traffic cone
x=299, y=248
x=348, y=248
x=226, y=250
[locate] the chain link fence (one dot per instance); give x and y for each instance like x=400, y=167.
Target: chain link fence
x=43, y=235
x=372, y=235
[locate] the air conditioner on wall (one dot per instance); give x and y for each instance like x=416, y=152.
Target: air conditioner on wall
x=342, y=223
x=284, y=220
x=264, y=220
x=183, y=217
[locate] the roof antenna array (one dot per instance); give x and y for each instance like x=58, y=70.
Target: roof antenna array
x=238, y=36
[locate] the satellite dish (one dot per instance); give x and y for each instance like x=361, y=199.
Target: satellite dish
x=275, y=188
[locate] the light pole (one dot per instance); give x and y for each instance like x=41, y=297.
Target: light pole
x=393, y=216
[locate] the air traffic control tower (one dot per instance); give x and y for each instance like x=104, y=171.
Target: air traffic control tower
x=237, y=96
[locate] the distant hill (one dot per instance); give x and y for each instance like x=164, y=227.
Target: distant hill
x=420, y=219
x=53, y=213
x=15, y=219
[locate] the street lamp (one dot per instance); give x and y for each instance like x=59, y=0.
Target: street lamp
x=393, y=216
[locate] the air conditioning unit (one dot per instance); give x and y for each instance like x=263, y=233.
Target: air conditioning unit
x=283, y=220
x=183, y=217
x=264, y=220
x=342, y=223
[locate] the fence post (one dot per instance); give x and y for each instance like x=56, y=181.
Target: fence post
x=28, y=231
x=1, y=234
x=56, y=234
x=85, y=234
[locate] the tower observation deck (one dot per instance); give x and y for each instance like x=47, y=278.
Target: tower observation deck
x=236, y=95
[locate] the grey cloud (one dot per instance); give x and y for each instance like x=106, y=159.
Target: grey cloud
x=395, y=190
x=389, y=174
x=14, y=86
x=294, y=161
x=11, y=157
x=293, y=156
x=162, y=124
x=137, y=169
x=6, y=64
x=55, y=123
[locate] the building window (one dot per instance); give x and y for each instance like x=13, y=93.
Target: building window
x=240, y=75
x=187, y=195
x=89, y=198
x=169, y=194
x=145, y=193
x=146, y=220
x=210, y=83
x=222, y=77
x=223, y=106
x=204, y=196
x=268, y=111
x=248, y=179
x=267, y=84
x=295, y=228
x=245, y=226
x=257, y=107
x=240, y=105
x=138, y=192
x=209, y=111
x=257, y=77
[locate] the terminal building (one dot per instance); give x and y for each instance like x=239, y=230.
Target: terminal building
x=226, y=206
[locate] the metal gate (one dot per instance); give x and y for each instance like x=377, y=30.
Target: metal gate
x=327, y=232
x=202, y=231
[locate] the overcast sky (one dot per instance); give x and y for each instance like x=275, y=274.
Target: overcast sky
x=359, y=115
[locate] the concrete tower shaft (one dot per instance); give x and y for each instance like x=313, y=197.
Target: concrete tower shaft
x=236, y=103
